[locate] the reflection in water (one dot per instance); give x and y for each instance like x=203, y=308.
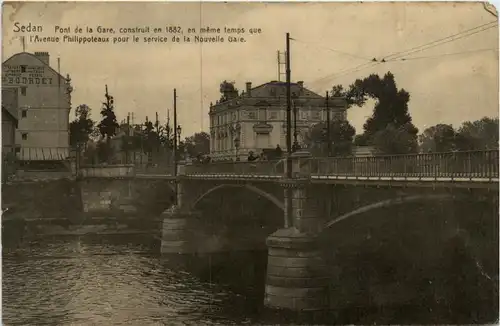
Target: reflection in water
x=394, y=267
x=109, y=285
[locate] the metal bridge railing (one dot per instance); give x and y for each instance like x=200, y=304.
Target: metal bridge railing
x=264, y=168
x=154, y=169
x=470, y=164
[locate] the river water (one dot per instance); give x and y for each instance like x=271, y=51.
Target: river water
x=123, y=280
x=86, y=282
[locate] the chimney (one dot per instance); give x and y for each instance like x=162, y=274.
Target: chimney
x=249, y=89
x=300, y=83
x=44, y=56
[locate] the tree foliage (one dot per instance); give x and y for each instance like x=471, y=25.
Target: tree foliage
x=197, y=144
x=472, y=135
x=81, y=128
x=478, y=135
x=341, y=136
x=438, y=138
x=108, y=125
x=390, y=115
x=396, y=140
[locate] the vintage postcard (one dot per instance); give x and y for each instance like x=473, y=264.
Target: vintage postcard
x=205, y=163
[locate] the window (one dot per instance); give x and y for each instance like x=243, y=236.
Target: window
x=23, y=91
x=262, y=114
x=24, y=113
x=251, y=115
x=25, y=136
x=23, y=68
x=273, y=115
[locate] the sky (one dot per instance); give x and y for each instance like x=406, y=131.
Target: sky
x=448, y=83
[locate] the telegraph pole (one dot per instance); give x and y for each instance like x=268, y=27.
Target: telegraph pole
x=328, y=131
x=175, y=132
x=127, y=137
x=289, y=215
x=288, y=109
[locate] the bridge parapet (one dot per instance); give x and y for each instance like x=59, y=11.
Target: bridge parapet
x=107, y=171
x=449, y=165
x=470, y=164
x=276, y=168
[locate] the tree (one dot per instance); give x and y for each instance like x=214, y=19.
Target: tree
x=197, y=144
x=342, y=133
x=107, y=127
x=438, y=138
x=478, y=135
x=391, y=107
x=396, y=140
x=81, y=128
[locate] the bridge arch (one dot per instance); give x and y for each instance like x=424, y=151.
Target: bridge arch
x=251, y=188
x=389, y=203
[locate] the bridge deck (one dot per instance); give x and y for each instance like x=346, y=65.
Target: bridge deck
x=454, y=168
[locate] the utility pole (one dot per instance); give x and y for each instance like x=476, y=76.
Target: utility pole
x=289, y=215
x=288, y=110
x=281, y=62
x=157, y=126
x=328, y=131
x=175, y=132
x=127, y=139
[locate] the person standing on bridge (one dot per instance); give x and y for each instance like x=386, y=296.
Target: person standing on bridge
x=252, y=157
x=278, y=152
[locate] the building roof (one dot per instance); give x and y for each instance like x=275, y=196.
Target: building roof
x=278, y=88
x=10, y=101
x=273, y=93
x=37, y=58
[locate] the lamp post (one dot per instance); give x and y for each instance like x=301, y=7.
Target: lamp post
x=237, y=146
x=237, y=141
x=179, y=129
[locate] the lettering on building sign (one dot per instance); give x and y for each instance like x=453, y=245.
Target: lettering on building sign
x=25, y=75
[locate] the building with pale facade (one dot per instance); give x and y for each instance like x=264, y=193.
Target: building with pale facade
x=9, y=120
x=255, y=120
x=43, y=106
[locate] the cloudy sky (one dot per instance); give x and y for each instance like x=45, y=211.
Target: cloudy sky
x=449, y=83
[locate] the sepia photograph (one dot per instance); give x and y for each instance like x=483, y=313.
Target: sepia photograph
x=250, y=163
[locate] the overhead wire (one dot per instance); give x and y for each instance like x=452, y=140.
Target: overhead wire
x=445, y=40
x=443, y=55
x=397, y=56
x=332, y=50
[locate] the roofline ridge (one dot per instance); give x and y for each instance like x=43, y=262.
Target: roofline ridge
x=31, y=54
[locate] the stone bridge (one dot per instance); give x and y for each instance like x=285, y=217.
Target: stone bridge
x=314, y=194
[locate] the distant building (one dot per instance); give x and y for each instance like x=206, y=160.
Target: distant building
x=9, y=126
x=44, y=103
x=363, y=151
x=9, y=119
x=256, y=119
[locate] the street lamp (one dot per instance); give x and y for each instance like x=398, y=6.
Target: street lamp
x=237, y=141
x=237, y=146
x=178, y=129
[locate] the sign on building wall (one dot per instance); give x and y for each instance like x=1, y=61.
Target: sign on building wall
x=25, y=75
